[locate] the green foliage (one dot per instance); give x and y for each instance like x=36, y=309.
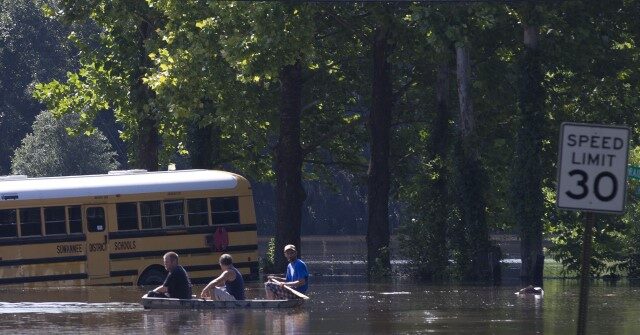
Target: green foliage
x=51, y=151
x=269, y=260
x=380, y=268
x=33, y=48
x=114, y=63
x=591, y=77
x=419, y=243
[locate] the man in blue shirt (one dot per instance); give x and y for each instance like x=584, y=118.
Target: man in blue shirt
x=297, y=277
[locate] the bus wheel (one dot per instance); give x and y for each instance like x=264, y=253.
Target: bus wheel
x=152, y=276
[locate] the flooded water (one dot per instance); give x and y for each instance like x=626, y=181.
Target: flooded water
x=338, y=305
x=342, y=302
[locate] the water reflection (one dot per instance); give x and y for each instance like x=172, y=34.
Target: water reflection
x=227, y=322
x=285, y=322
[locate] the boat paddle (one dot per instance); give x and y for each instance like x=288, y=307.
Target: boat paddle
x=296, y=293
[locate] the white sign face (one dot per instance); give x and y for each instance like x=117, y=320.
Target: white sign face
x=592, y=167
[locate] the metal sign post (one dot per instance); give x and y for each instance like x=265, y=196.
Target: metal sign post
x=590, y=218
x=592, y=176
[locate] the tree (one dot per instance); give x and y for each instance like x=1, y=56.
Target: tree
x=528, y=170
x=51, y=151
x=452, y=203
x=114, y=64
x=276, y=95
x=378, y=175
x=33, y=48
x=591, y=76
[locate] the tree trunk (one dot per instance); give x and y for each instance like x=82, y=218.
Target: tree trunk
x=204, y=143
x=146, y=151
x=466, y=122
x=527, y=182
x=470, y=181
x=378, y=176
x=290, y=194
x=439, y=190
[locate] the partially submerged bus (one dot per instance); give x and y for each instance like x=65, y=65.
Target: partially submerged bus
x=113, y=229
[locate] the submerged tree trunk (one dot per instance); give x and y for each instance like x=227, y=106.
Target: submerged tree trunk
x=378, y=176
x=290, y=194
x=470, y=180
x=527, y=196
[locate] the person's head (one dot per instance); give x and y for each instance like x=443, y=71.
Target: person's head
x=290, y=252
x=226, y=261
x=170, y=260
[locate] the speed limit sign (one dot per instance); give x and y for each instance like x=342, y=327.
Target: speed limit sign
x=592, y=167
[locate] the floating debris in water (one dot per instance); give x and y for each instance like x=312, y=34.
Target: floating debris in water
x=394, y=293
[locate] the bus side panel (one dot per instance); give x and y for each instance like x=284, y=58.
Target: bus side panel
x=247, y=210
x=42, y=262
x=131, y=256
x=248, y=216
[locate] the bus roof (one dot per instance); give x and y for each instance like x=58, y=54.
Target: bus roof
x=115, y=183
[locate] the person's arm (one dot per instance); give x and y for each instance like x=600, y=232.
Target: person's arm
x=160, y=289
x=164, y=288
x=270, y=277
x=296, y=283
x=224, y=277
x=300, y=276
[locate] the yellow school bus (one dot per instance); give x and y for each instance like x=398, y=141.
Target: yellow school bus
x=113, y=229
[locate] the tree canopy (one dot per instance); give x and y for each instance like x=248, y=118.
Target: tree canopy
x=51, y=151
x=443, y=114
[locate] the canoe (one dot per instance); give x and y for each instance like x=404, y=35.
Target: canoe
x=173, y=303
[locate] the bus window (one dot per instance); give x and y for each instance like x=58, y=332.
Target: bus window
x=198, y=212
x=8, y=226
x=95, y=219
x=150, y=214
x=54, y=221
x=174, y=213
x=224, y=210
x=75, y=219
x=127, y=216
x=30, y=221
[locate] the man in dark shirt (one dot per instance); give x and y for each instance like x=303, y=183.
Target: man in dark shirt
x=177, y=283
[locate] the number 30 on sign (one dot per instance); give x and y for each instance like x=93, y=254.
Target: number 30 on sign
x=592, y=167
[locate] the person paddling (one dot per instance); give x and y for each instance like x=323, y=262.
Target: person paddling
x=297, y=278
x=228, y=286
x=177, y=284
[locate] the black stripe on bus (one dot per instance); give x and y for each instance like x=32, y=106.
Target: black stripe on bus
x=34, y=279
x=217, y=266
x=123, y=273
x=43, y=260
x=183, y=231
x=43, y=239
x=160, y=253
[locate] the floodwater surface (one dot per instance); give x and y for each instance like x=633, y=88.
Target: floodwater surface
x=338, y=305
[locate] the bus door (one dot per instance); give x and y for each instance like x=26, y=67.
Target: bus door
x=95, y=221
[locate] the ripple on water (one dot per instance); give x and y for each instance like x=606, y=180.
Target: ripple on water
x=66, y=307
